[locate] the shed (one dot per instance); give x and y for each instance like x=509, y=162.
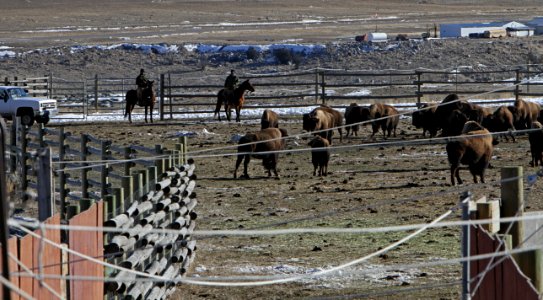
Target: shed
x=520, y=31
x=377, y=37
x=537, y=24
x=465, y=29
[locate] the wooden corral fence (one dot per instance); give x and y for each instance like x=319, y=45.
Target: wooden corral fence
x=517, y=276
x=195, y=92
x=138, y=196
x=36, y=86
x=190, y=93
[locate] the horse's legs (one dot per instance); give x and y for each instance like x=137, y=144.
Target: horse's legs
x=150, y=111
x=238, y=111
x=227, y=111
x=145, y=106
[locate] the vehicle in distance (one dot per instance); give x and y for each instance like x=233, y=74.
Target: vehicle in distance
x=15, y=101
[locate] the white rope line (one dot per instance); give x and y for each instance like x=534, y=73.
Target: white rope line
x=15, y=289
x=503, y=254
x=40, y=278
x=288, y=231
x=260, y=283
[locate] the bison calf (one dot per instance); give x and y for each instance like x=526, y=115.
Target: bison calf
x=536, y=144
x=265, y=140
x=473, y=148
x=320, y=155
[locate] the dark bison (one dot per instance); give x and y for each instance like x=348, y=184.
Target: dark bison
x=251, y=144
x=500, y=121
x=320, y=155
x=354, y=115
x=425, y=118
x=536, y=144
x=270, y=119
x=524, y=113
x=385, y=117
x=322, y=120
x=450, y=121
x=473, y=148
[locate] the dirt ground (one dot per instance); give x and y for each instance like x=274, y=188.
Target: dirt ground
x=368, y=187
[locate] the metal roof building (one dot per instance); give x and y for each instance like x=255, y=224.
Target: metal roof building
x=537, y=24
x=465, y=29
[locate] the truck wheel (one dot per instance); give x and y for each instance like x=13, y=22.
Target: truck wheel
x=27, y=119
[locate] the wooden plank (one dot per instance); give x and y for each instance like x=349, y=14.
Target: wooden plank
x=13, y=266
x=25, y=256
x=51, y=260
x=85, y=242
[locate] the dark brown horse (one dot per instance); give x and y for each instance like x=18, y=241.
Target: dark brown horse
x=149, y=100
x=232, y=99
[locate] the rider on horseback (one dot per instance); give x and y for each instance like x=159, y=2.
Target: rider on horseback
x=142, y=83
x=231, y=81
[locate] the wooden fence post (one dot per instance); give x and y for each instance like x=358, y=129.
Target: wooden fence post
x=161, y=97
x=517, y=84
x=531, y=264
x=317, y=85
x=96, y=92
x=128, y=164
x=61, y=174
x=323, y=88
x=46, y=199
x=127, y=183
x=512, y=202
x=419, y=87
x=84, y=170
x=22, y=157
x=104, y=173
x=159, y=162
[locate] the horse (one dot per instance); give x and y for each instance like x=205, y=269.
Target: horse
x=149, y=99
x=233, y=99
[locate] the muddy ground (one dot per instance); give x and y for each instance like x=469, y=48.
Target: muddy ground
x=367, y=187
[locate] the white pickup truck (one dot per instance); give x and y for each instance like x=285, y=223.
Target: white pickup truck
x=14, y=101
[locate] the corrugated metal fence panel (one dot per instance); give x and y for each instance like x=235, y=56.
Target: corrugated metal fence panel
x=51, y=258
x=88, y=243
x=503, y=281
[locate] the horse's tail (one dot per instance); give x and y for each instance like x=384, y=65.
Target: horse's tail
x=131, y=98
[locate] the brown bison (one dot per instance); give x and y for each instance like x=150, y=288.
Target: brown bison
x=424, y=118
x=321, y=119
x=269, y=139
x=536, y=144
x=386, y=117
x=524, y=113
x=270, y=119
x=353, y=116
x=320, y=155
x=500, y=121
x=473, y=148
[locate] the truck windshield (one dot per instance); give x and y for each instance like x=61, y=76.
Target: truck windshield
x=17, y=93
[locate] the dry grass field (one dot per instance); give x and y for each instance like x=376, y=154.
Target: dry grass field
x=368, y=187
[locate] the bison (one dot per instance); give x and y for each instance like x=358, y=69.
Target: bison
x=501, y=120
x=473, y=148
x=524, y=113
x=251, y=144
x=536, y=144
x=425, y=118
x=320, y=155
x=320, y=120
x=354, y=115
x=270, y=119
x=385, y=117
x=450, y=121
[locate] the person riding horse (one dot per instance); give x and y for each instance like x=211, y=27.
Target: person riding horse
x=231, y=81
x=141, y=82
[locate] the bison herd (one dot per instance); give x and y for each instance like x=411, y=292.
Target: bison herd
x=471, y=125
